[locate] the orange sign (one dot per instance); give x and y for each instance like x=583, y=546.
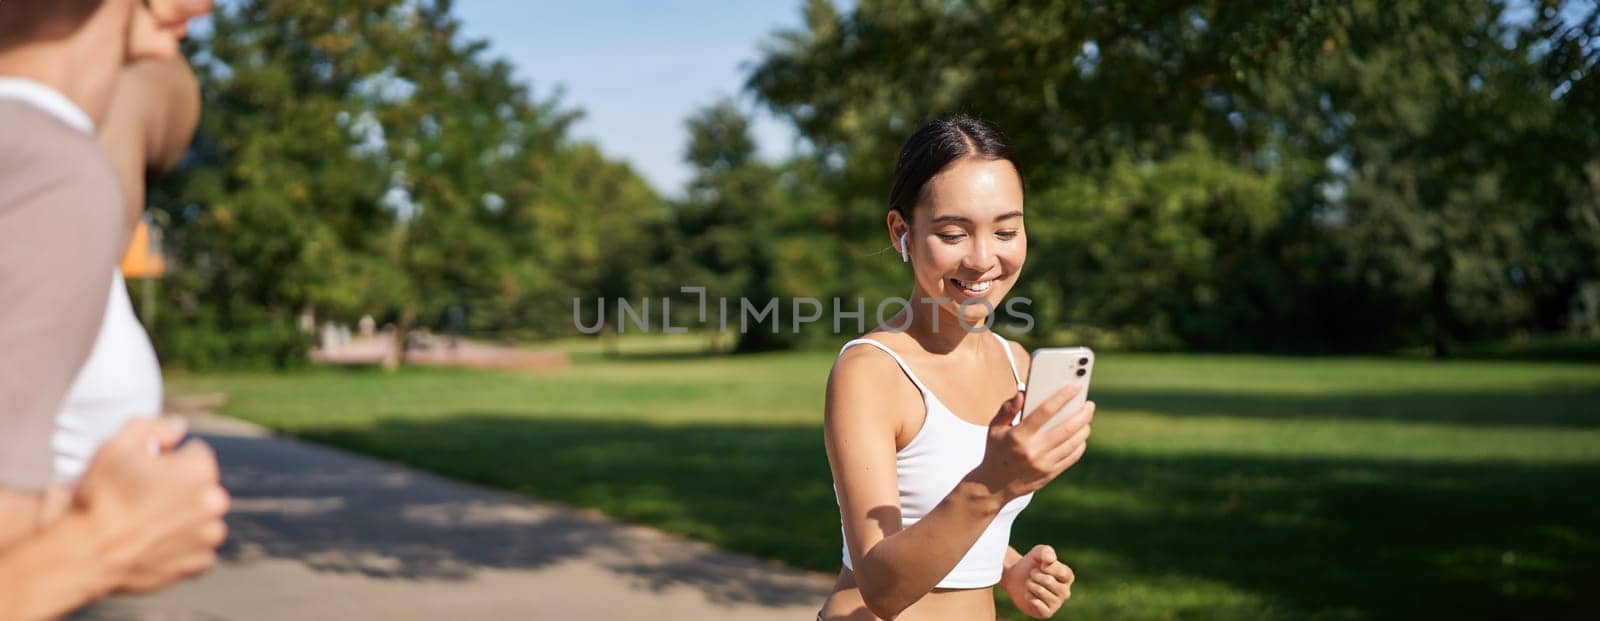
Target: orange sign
x=144, y=259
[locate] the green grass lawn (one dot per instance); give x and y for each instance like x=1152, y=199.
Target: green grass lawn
x=1216, y=487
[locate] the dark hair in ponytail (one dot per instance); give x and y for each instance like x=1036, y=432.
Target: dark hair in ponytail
x=936, y=145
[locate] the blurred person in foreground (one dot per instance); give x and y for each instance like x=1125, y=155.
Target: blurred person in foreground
x=141, y=511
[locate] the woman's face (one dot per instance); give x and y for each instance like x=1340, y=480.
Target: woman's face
x=966, y=238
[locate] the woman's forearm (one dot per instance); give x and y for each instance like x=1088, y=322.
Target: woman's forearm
x=907, y=565
x=57, y=570
x=175, y=120
x=146, y=129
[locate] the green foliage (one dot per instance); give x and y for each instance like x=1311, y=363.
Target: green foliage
x=1307, y=176
x=759, y=231
x=1167, y=244
x=1413, y=171
x=246, y=339
x=363, y=158
x=728, y=222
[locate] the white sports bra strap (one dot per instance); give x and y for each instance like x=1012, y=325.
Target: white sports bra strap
x=897, y=359
x=1011, y=358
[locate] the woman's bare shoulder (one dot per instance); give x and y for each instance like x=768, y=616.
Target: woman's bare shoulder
x=868, y=379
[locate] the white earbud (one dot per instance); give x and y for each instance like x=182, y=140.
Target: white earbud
x=905, y=257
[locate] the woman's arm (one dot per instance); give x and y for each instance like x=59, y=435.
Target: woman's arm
x=894, y=567
x=54, y=571
x=154, y=109
x=1041, y=585
x=141, y=520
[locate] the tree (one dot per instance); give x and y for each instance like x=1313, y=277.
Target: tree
x=1420, y=150
x=363, y=157
x=727, y=218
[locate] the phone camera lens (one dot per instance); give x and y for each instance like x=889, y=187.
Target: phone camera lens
x=1083, y=361
x=1081, y=372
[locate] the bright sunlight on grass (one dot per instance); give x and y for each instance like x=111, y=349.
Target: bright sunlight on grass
x=1216, y=487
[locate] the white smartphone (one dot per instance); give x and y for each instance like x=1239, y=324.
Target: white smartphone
x=1052, y=369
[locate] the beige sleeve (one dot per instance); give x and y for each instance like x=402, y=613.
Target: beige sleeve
x=60, y=221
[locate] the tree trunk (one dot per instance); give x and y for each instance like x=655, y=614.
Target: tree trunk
x=396, y=355
x=1442, y=318
x=609, y=347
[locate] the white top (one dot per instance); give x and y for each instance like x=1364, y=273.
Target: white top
x=121, y=378
x=929, y=467
x=48, y=99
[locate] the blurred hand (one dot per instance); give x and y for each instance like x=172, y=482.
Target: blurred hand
x=1039, y=583
x=1023, y=458
x=160, y=506
x=158, y=25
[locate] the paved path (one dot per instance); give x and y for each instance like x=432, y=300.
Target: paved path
x=322, y=534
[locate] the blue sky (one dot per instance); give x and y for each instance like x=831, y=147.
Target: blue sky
x=637, y=69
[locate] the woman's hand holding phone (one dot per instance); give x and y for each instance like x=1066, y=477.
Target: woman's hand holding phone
x=1022, y=458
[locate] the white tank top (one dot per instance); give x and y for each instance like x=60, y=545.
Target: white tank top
x=121, y=379
x=929, y=467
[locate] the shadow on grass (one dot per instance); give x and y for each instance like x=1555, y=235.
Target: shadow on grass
x=1303, y=537
x=1545, y=349
x=1555, y=406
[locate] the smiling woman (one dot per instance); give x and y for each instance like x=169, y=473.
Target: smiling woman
x=973, y=239
x=928, y=481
